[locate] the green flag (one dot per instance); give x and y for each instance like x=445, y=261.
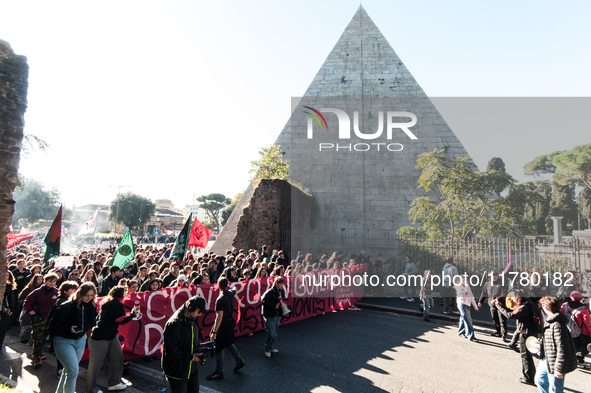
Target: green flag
x=180, y=245
x=125, y=253
x=52, y=239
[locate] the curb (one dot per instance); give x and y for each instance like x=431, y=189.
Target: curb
x=442, y=317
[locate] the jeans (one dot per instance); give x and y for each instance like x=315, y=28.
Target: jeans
x=547, y=382
x=272, y=327
x=69, y=352
x=219, y=357
x=465, y=327
x=98, y=350
x=428, y=304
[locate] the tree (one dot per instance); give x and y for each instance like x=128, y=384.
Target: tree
x=568, y=167
x=213, y=205
x=270, y=165
x=463, y=201
x=130, y=207
x=585, y=206
x=496, y=164
x=563, y=204
x=227, y=212
x=34, y=202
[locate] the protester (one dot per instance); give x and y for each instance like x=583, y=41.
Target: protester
x=447, y=286
x=494, y=289
x=38, y=305
x=580, y=315
x=465, y=299
x=6, y=310
x=523, y=312
x=68, y=328
x=104, y=341
x=111, y=281
x=223, y=330
x=271, y=303
x=426, y=295
x=66, y=290
x=558, y=352
x=25, y=319
x=180, y=346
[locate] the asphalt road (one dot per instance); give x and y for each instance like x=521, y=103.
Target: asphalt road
x=369, y=351
x=348, y=351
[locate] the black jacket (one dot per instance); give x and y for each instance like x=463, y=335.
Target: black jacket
x=108, y=283
x=270, y=300
x=558, y=346
x=524, y=316
x=168, y=279
x=181, y=341
x=68, y=315
x=111, y=315
x=491, y=290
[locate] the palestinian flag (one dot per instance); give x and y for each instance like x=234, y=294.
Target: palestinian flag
x=52, y=239
x=125, y=253
x=180, y=245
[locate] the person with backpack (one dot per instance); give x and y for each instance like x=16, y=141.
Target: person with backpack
x=527, y=325
x=558, y=351
x=579, y=324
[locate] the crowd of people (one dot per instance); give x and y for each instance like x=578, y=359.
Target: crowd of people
x=61, y=302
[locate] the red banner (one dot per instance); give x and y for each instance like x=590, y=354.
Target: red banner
x=308, y=295
x=15, y=239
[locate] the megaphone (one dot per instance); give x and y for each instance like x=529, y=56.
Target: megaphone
x=589, y=347
x=285, y=310
x=533, y=345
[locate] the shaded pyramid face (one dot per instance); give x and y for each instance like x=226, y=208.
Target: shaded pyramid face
x=363, y=180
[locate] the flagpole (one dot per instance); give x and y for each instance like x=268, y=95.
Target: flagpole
x=95, y=224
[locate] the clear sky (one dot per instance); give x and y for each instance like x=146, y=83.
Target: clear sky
x=174, y=98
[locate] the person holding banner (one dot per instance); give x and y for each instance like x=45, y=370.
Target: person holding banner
x=104, y=341
x=223, y=330
x=271, y=305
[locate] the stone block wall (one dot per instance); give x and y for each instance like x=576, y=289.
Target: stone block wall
x=14, y=75
x=269, y=212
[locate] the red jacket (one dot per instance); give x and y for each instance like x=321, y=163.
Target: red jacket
x=43, y=298
x=582, y=317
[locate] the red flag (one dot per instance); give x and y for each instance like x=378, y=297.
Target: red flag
x=16, y=238
x=199, y=235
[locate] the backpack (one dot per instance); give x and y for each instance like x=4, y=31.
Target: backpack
x=538, y=321
x=575, y=330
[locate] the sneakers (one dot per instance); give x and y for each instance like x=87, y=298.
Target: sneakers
x=42, y=357
x=505, y=339
x=215, y=376
x=119, y=386
x=410, y=299
x=37, y=362
x=402, y=298
x=274, y=350
x=268, y=354
x=239, y=364
x=495, y=334
x=513, y=347
x=446, y=312
x=525, y=381
x=426, y=319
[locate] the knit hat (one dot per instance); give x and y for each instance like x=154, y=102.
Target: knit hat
x=576, y=296
x=182, y=277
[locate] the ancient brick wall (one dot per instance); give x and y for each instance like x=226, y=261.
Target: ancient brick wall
x=269, y=212
x=14, y=75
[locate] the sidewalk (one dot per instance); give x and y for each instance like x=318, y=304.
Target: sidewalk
x=16, y=369
x=393, y=303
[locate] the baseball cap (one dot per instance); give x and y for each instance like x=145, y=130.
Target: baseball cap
x=195, y=303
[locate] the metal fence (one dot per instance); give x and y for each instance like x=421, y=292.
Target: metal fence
x=474, y=256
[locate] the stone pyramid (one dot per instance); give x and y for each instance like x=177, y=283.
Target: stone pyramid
x=362, y=188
